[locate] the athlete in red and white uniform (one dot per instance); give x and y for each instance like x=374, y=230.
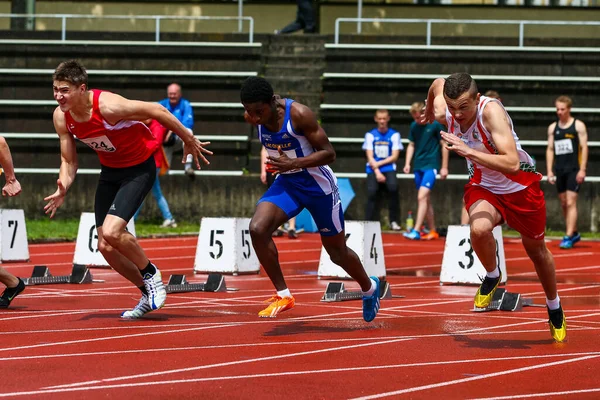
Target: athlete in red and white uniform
x=124, y=144
x=109, y=124
x=503, y=185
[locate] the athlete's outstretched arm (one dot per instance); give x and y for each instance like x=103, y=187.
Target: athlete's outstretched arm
x=12, y=186
x=550, y=154
x=115, y=108
x=68, y=164
x=495, y=120
x=435, y=105
x=583, y=145
x=304, y=120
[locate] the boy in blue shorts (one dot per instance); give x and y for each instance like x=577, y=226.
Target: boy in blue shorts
x=425, y=145
x=299, y=153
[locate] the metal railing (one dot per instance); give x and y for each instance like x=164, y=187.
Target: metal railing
x=136, y=72
x=395, y=107
x=156, y=18
x=245, y=138
x=429, y=22
x=512, y=78
x=242, y=138
x=42, y=103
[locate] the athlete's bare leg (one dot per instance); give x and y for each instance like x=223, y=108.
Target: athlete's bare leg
x=118, y=262
x=113, y=236
x=346, y=258
x=423, y=199
x=267, y=218
x=464, y=215
x=544, y=264
x=571, y=212
x=7, y=278
x=484, y=217
x=430, y=217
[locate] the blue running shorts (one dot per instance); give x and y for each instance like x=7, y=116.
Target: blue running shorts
x=327, y=213
x=425, y=178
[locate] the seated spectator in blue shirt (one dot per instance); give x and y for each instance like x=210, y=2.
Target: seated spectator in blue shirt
x=182, y=109
x=382, y=146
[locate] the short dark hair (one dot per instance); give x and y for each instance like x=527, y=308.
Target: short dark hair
x=71, y=71
x=256, y=90
x=459, y=83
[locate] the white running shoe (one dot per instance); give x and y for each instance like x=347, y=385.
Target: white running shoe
x=394, y=226
x=142, y=308
x=169, y=223
x=157, y=294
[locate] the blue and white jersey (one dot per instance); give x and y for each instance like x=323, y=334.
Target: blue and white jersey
x=314, y=180
x=382, y=145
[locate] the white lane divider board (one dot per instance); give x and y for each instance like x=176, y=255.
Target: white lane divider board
x=13, y=236
x=460, y=263
x=224, y=245
x=364, y=237
x=86, y=248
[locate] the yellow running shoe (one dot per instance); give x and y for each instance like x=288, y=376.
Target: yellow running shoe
x=558, y=324
x=278, y=304
x=486, y=291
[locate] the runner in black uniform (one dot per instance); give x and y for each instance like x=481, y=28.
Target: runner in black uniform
x=567, y=152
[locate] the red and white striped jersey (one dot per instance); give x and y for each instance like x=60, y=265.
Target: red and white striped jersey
x=478, y=138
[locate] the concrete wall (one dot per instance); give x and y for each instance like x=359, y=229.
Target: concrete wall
x=237, y=196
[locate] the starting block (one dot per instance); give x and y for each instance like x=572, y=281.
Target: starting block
x=335, y=291
x=41, y=276
x=214, y=283
x=507, y=301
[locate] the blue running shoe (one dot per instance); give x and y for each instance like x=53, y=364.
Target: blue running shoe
x=566, y=243
x=371, y=303
x=412, y=235
x=575, y=238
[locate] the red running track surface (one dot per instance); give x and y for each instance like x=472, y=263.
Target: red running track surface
x=67, y=341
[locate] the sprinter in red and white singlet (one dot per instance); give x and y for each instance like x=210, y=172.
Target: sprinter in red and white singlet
x=110, y=125
x=503, y=185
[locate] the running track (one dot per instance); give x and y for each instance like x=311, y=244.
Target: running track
x=67, y=341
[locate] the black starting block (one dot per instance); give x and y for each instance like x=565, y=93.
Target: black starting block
x=41, y=276
x=214, y=283
x=335, y=291
x=507, y=301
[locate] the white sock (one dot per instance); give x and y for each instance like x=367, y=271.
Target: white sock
x=553, y=304
x=370, y=291
x=284, y=293
x=494, y=274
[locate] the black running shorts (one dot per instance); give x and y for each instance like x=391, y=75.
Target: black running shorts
x=566, y=181
x=121, y=191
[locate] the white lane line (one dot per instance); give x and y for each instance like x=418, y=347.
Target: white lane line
x=583, y=356
x=30, y=265
x=254, y=344
x=374, y=343
x=70, y=253
x=559, y=270
x=474, y=378
x=507, y=259
x=547, y=394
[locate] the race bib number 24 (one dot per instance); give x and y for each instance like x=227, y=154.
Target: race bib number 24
x=100, y=143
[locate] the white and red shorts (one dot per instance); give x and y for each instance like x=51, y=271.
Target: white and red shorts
x=524, y=211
